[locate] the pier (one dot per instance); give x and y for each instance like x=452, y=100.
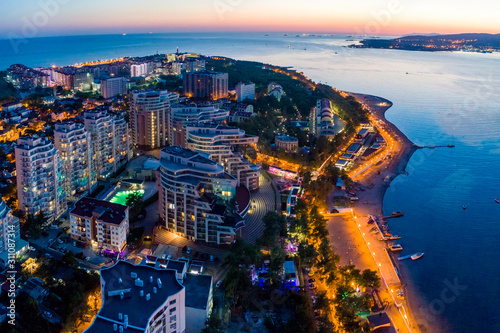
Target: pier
x=432, y=147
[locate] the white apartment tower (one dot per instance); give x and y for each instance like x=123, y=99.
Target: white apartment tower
x=113, y=86
x=183, y=114
x=109, y=135
x=149, y=112
x=194, y=194
x=245, y=91
x=40, y=180
x=75, y=154
x=225, y=145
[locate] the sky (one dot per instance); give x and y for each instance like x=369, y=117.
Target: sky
x=39, y=18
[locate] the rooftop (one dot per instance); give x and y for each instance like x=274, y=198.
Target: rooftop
x=108, y=212
x=118, y=279
x=197, y=290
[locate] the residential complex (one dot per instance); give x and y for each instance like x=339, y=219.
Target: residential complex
x=75, y=154
x=194, y=194
x=149, y=114
x=226, y=146
x=245, y=91
x=40, y=180
x=109, y=136
x=287, y=143
x=206, y=85
x=100, y=224
x=113, y=86
x=183, y=114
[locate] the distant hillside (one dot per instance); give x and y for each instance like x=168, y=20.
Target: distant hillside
x=457, y=42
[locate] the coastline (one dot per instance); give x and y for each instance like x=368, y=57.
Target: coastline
x=375, y=183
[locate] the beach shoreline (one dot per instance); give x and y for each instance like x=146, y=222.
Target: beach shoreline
x=377, y=179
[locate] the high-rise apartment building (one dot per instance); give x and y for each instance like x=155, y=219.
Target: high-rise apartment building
x=206, y=85
x=226, y=146
x=149, y=112
x=245, y=91
x=113, y=86
x=194, y=195
x=109, y=136
x=40, y=180
x=75, y=155
x=183, y=114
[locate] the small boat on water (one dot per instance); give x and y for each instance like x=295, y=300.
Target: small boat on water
x=417, y=256
x=396, y=248
x=395, y=237
x=397, y=214
x=497, y=200
x=432, y=147
x=450, y=146
x=464, y=207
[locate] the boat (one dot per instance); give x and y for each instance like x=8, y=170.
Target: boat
x=464, y=207
x=396, y=248
x=417, y=256
x=394, y=237
x=450, y=146
x=497, y=201
x=432, y=147
x=397, y=214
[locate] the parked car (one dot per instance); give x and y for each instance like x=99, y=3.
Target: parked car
x=53, y=227
x=164, y=256
x=48, y=255
x=313, y=286
x=60, y=241
x=87, y=258
x=218, y=283
x=48, y=314
x=211, y=257
x=311, y=280
x=188, y=250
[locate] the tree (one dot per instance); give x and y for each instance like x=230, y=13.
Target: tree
x=69, y=258
x=136, y=204
x=213, y=324
x=370, y=279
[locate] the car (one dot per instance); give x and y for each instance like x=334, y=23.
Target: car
x=60, y=241
x=212, y=257
x=50, y=240
x=311, y=280
x=53, y=227
x=169, y=257
x=164, y=256
x=218, y=283
x=31, y=248
x=74, y=243
x=334, y=211
x=188, y=250
x=48, y=314
x=48, y=255
x=87, y=258
x=313, y=286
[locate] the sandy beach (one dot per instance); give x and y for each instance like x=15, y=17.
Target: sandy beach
x=352, y=234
